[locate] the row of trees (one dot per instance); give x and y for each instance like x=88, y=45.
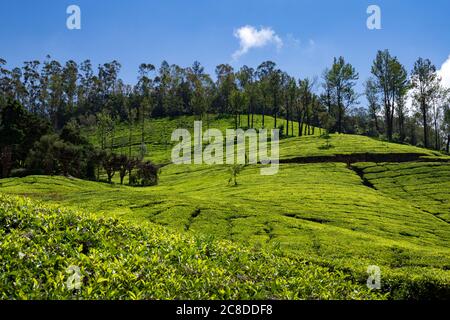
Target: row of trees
x=29, y=145
x=390, y=88
x=61, y=92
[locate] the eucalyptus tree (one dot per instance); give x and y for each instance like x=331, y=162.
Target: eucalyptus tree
x=31, y=81
x=441, y=100
x=391, y=80
x=176, y=103
x=290, y=94
x=374, y=108
x=425, y=83
x=199, y=83
x=86, y=85
x=70, y=85
x=5, y=81
x=247, y=82
x=446, y=125
x=144, y=88
x=52, y=92
x=265, y=72
x=316, y=109
x=401, y=116
x=238, y=102
x=341, y=79
x=162, y=89
x=17, y=87
x=276, y=91
x=305, y=97
x=225, y=86
x=402, y=87
x=327, y=96
x=108, y=74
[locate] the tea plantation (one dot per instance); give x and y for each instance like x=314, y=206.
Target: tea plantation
x=319, y=223
x=39, y=243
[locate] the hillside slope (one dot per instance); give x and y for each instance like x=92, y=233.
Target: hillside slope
x=157, y=133
x=39, y=244
x=346, y=216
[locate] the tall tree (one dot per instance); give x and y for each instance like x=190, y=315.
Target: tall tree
x=52, y=80
x=225, y=86
x=276, y=90
x=246, y=78
x=86, y=85
x=199, y=82
x=290, y=97
x=265, y=72
x=162, y=88
x=305, y=96
x=342, y=79
x=401, y=116
x=391, y=80
x=31, y=80
x=371, y=92
x=5, y=81
x=145, y=89
x=441, y=100
x=70, y=78
x=446, y=126
x=425, y=84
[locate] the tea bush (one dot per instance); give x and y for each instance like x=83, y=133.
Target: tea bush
x=119, y=261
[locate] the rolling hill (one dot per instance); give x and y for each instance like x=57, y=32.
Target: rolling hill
x=342, y=203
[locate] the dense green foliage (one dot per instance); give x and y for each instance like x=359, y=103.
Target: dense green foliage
x=425, y=185
x=326, y=214
x=340, y=216
x=157, y=135
x=344, y=145
x=118, y=261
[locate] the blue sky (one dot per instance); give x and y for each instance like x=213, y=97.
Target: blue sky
x=182, y=31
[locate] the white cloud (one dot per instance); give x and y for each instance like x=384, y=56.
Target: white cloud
x=444, y=73
x=250, y=37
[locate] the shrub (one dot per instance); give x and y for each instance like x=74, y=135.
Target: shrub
x=19, y=173
x=41, y=246
x=147, y=173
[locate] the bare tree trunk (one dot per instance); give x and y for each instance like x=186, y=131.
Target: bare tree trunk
x=377, y=127
x=129, y=140
x=287, y=124
x=448, y=143
x=263, y=119
x=425, y=131
x=436, y=135
x=142, y=130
